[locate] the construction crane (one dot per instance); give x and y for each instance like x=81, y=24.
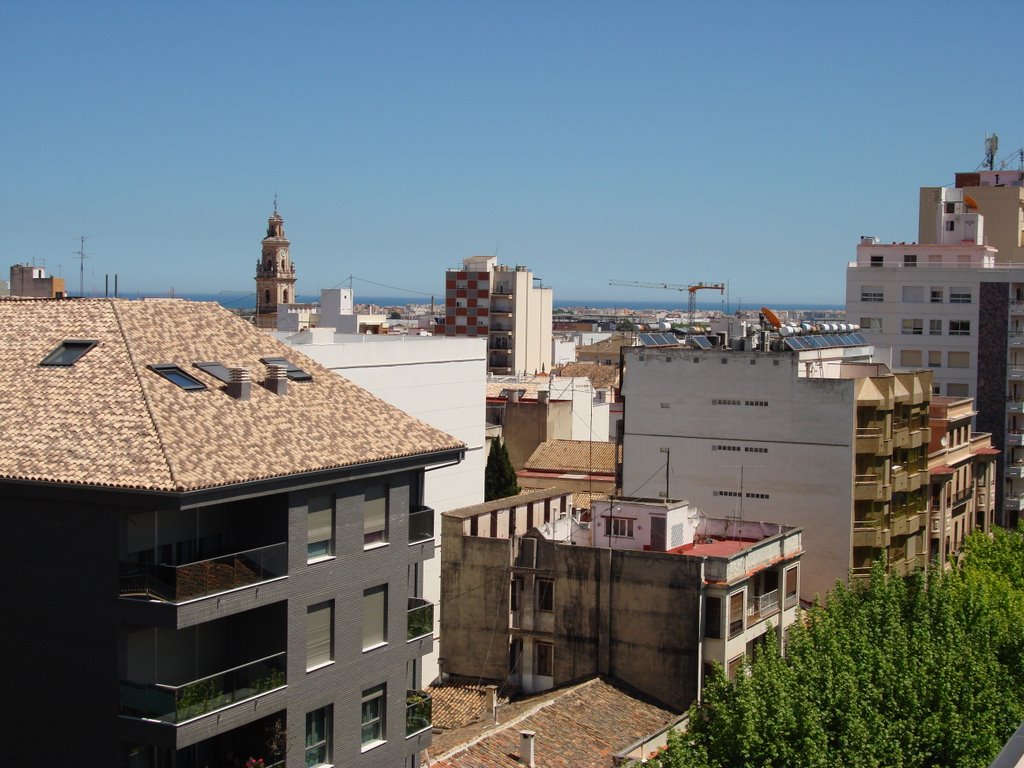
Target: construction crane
x=692, y=288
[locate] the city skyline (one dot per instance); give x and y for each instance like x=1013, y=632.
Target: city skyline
x=588, y=142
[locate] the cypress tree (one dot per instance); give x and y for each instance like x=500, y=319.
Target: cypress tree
x=499, y=477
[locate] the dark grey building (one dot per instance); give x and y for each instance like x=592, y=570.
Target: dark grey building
x=235, y=545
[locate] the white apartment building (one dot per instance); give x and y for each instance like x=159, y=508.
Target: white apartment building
x=815, y=436
x=505, y=305
x=439, y=380
x=952, y=306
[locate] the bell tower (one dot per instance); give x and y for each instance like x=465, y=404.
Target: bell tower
x=275, y=273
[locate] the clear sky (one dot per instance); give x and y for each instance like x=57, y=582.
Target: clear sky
x=747, y=142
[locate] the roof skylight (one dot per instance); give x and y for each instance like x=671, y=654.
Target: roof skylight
x=294, y=373
x=217, y=370
x=68, y=353
x=176, y=375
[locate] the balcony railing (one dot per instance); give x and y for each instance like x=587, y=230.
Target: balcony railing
x=418, y=711
x=178, y=703
x=762, y=605
x=419, y=618
x=792, y=599
x=178, y=583
x=421, y=524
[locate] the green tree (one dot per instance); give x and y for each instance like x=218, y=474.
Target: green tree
x=499, y=477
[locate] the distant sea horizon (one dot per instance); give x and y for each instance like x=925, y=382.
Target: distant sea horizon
x=235, y=301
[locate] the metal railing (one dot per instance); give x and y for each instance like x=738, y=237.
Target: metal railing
x=418, y=712
x=419, y=618
x=421, y=524
x=178, y=703
x=761, y=605
x=177, y=583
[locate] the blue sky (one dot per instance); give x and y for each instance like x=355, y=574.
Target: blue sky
x=731, y=141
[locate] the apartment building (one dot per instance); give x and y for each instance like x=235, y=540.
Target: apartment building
x=955, y=305
x=649, y=593
x=32, y=281
x=803, y=429
x=962, y=469
x=506, y=305
x=235, y=544
x=439, y=379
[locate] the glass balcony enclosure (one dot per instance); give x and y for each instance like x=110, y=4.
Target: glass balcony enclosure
x=420, y=618
x=418, y=707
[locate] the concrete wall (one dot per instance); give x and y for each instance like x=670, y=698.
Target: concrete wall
x=797, y=450
x=528, y=423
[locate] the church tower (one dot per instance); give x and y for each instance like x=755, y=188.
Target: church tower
x=275, y=273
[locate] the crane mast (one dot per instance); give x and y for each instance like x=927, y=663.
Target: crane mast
x=692, y=288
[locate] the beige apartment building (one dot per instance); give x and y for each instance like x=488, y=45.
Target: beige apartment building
x=506, y=305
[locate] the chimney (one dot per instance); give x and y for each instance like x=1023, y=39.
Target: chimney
x=277, y=379
x=513, y=395
x=492, y=701
x=526, y=748
x=543, y=396
x=240, y=383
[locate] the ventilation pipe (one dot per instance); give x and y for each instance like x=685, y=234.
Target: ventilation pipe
x=240, y=383
x=526, y=756
x=277, y=379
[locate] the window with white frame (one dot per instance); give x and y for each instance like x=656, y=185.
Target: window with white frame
x=375, y=613
x=912, y=325
x=910, y=358
x=375, y=516
x=937, y=295
x=959, y=327
x=318, y=737
x=736, y=614
x=872, y=293
x=319, y=635
x=373, y=720
x=620, y=526
x=909, y=260
x=935, y=358
x=871, y=324
x=958, y=359
x=960, y=295
x=935, y=327
x=320, y=528
x=913, y=294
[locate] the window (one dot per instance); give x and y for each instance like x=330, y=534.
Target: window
x=910, y=358
x=914, y=326
x=515, y=587
x=175, y=375
x=319, y=635
x=545, y=659
x=318, y=737
x=219, y=371
x=68, y=353
x=959, y=295
x=934, y=327
x=871, y=324
x=712, y=616
x=913, y=294
x=791, y=582
x=294, y=373
x=320, y=528
x=375, y=516
x=959, y=327
x=545, y=595
x=871, y=293
x=877, y=260
x=958, y=359
x=375, y=617
x=735, y=614
x=734, y=667
x=937, y=295
x=620, y=526
x=935, y=358
x=373, y=717
x=909, y=260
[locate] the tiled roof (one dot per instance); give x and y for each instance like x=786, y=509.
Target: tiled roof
x=601, y=376
x=528, y=388
x=613, y=343
x=458, y=703
x=108, y=420
x=583, y=499
x=573, y=456
x=577, y=727
x=524, y=497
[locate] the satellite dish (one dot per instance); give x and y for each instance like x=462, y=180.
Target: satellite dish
x=771, y=317
x=971, y=202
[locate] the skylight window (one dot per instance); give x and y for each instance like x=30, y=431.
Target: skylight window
x=294, y=373
x=177, y=376
x=217, y=370
x=68, y=353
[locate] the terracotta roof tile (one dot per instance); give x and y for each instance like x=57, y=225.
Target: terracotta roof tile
x=109, y=420
x=525, y=495
x=577, y=727
x=573, y=456
x=601, y=376
x=458, y=703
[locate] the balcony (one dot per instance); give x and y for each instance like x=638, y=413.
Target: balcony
x=1015, y=372
x=873, y=440
x=419, y=619
x=869, y=534
x=1015, y=339
x=1014, y=503
x=762, y=606
x=178, y=583
x=961, y=498
x=1016, y=307
x=902, y=526
x=178, y=703
x=1014, y=405
x=418, y=712
x=421, y=525
x=1014, y=437
x=1014, y=471
x=868, y=488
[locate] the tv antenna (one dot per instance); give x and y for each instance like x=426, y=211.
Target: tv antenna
x=82, y=256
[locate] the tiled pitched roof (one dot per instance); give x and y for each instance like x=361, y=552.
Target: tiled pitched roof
x=577, y=727
x=573, y=456
x=525, y=496
x=601, y=376
x=458, y=703
x=583, y=499
x=108, y=420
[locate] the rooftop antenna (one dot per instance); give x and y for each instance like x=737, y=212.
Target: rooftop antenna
x=991, y=147
x=275, y=202
x=82, y=256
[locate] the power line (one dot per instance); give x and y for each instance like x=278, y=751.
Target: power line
x=350, y=278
